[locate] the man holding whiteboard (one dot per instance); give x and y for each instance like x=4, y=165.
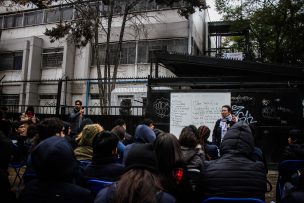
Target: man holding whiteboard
x=223, y=124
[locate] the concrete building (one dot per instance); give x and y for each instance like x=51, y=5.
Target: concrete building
x=30, y=64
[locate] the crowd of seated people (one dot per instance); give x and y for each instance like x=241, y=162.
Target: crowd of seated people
x=153, y=166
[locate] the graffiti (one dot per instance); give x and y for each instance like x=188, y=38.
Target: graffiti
x=265, y=102
x=243, y=114
x=270, y=113
x=284, y=109
x=161, y=107
x=240, y=99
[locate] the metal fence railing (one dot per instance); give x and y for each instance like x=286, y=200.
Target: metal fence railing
x=89, y=110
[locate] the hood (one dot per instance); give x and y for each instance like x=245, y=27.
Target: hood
x=53, y=159
x=238, y=139
x=144, y=134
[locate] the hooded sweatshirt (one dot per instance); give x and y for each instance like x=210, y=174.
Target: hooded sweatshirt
x=235, y=174
x=55, y=165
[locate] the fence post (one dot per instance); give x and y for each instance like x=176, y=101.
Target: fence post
x=58, y=97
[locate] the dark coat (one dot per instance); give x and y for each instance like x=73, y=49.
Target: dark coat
x=56, y=167
x=106, y=169
x=235, y=174
x=192, y=158
x=54, y=192
x=294, y=197
x=217, y=131
x=293, y=152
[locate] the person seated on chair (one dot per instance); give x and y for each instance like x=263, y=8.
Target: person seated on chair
x=143, y=134
x=104, y=164
x=295, y=148
x=235, y=173
x=84, y=151
x=211, y=150
x=56, y=168
x=192, y=156
x=140, y=182
x=294, y=190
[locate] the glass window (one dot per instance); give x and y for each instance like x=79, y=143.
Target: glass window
x=1, y=21
x=172, y=45
x=9, y=99
x=127, y=55
x=18, y=20
x=33, y=18
x=8, y=21
x=11, y=61
x=52, y=57
x=67, y=13
x=52, y=15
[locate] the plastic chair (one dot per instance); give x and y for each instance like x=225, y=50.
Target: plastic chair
x=286, y=169
x=232, y=199
x=95, y=185
x=17, y=168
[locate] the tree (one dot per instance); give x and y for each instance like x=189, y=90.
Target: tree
x=276, y=27
x=95, y=18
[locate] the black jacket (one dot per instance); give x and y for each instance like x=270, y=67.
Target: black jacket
x=217, y=131
x=235, y=174
x=54, y=162
x=293, y=152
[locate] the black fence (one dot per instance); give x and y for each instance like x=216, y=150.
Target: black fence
x=132, y=119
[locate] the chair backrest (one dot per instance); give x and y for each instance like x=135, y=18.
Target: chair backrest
x=232, y=199
x=95, y=185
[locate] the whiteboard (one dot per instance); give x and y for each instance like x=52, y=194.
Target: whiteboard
x=196, y=109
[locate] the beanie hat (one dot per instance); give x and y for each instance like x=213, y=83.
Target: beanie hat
x=88, y=134
x=142, y=156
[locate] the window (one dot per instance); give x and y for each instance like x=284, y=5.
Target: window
x=67, y=13
x=52, y=15
x=13, y=21
x=47, y=96
x=127, y=54
x=172, y=45
x=33, y=18
x=52, y=57
x=11, y=61
x=9, y=99
x=1, y=21
x=94, y=96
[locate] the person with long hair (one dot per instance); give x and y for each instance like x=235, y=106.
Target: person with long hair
x=172, y=167
x=211, y=150
x=142, y=168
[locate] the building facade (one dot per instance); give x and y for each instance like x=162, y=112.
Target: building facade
x=30, y=65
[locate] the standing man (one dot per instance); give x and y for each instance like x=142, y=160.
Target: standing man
x=76, y=117
x=223, y=124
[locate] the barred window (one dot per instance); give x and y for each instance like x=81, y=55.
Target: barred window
x=43, y=96
x=11, y=60
x=52, y=57
x=9, y=99
x=127, y=54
